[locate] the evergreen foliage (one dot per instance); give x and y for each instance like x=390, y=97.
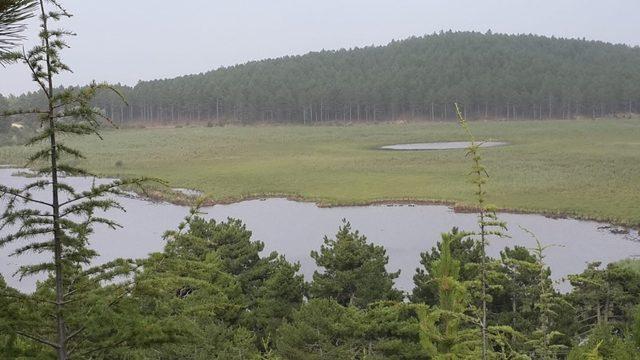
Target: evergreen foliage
x=487, y=222
x=605, y=297
x=324, y=329
x=213, y=294
x=462, y=248
x=489, y=75
x=190, y=301
x=61, y=227
x=447, y=331
x=353, y=271
x=13, y=14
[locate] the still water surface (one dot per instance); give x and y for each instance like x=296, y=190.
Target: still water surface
x=295, y=228
x=440, y=145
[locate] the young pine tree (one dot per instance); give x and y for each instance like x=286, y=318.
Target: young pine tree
x=487, y=221
x=62, y=224
x=545, y=339
x=445, y=331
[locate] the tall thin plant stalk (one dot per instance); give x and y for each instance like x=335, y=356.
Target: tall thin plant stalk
x=487, y=220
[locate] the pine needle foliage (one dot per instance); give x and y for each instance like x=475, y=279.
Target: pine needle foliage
x=444, y=329
x=61, y=226
x=544, y=340
x=594, y=354
x=13, y=14
x=353, y=270
x=488, y=221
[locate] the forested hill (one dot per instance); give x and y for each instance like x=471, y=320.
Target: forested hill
x=492, y=75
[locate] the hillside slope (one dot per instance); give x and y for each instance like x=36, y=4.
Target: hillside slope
x=493, y=75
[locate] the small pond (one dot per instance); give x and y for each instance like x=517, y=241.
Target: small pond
x=440, y=145
x=295, y=228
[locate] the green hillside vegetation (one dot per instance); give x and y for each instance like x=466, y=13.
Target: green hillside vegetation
x=490, y=75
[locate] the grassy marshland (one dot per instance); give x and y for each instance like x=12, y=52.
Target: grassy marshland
x=585, y=168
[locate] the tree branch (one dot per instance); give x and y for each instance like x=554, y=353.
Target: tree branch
x=37, y=339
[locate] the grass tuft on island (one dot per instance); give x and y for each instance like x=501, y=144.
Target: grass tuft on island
x=586, y=169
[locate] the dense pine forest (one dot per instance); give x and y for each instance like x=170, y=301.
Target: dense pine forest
x=490, y=75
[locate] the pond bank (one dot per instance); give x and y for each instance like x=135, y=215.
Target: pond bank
x=170, y=195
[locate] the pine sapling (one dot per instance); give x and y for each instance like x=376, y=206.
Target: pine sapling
x=488, y=221
x=62, y=225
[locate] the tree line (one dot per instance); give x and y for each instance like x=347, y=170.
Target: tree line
x=489, y=75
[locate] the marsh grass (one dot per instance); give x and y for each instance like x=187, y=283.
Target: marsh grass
x=582, y=168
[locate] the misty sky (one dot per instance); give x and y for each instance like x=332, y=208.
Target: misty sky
x=129, y=40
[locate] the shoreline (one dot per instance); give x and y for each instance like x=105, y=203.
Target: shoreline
x=177, y=196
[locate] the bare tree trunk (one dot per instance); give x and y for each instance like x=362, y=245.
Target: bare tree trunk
x=432, y=113
x=540, y=111
x=514, y=310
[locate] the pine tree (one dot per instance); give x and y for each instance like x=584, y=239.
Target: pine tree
x=271, y=287
x=190, y=304
x=604, y=296
x=463, y=248
x=278, y=297
x=445, y=330
x=323, y=329
x=354, y=271
x=487, y=221
x=391, y=331
x=544, y=340
x=61, y=226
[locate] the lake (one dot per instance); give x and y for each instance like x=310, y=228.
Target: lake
x=295, y=228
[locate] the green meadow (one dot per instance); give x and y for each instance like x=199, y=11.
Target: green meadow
x=582, y=168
